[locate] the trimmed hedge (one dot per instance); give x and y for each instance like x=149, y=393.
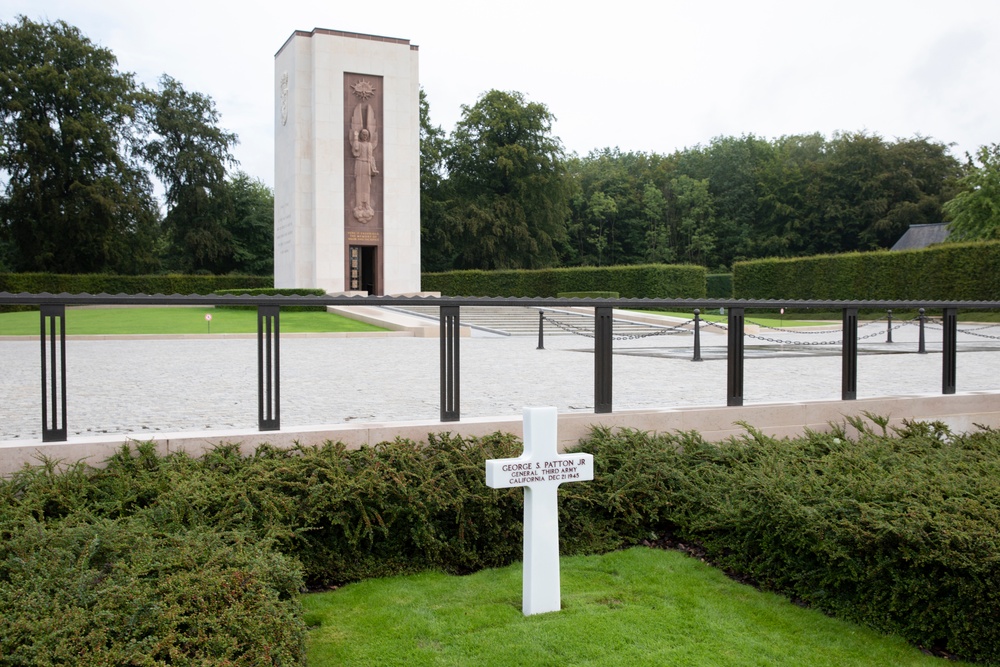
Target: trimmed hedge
x=719, y=285
x=966, y=271
x=95, y=283
x=631, y=282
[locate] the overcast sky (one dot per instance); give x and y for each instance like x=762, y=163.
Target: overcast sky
x=653, y=76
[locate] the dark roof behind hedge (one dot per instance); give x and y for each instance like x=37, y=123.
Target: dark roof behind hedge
x=921, y=236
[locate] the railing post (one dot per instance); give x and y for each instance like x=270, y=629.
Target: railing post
x=450, y=329
x=603, y=330
x=950, y=349
x=734, y=378
x=888, y=330
x=697, y=335
x=921, y=345
x=541, y=330
x=268, y=368
x=54, y=372
x=849, y=356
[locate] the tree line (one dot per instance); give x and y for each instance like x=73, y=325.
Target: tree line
x=83, y=145
x=500, y=193
x=101, y=174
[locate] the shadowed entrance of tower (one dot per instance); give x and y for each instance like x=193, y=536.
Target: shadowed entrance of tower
x=364, y=269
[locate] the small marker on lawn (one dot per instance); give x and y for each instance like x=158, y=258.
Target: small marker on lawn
x=208, y=321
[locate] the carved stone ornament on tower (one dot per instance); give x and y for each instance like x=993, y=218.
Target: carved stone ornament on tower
x=284, y=97
x=364, y=141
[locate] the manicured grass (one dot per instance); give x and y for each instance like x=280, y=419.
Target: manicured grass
x=111, y=321
x=637, y=607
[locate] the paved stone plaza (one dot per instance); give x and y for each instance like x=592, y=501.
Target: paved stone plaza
x=142, y=386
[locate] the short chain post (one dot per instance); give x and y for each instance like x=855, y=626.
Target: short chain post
x=541, y=330
x=697, y=335
x=921, y=345
x=888, y=330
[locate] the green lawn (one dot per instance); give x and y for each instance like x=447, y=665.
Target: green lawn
x=637, y=607
x=97, y=321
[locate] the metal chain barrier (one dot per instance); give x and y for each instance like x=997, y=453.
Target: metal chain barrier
x=764, y=326
x=985, y=326
x=779, y=341
x=839, y=341
x=576, y=331
x=972, y=332
x=794, y=342
x=680, y=329
x=586, y=333
x=939, y=326
x=654, y=333
x=867, y=323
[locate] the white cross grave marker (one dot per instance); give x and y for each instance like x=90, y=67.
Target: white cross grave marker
x=540, y=470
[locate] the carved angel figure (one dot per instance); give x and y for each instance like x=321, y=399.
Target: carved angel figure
x=364, y=140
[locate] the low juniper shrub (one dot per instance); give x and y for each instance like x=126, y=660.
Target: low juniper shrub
x=175, y=560
x=898, y=530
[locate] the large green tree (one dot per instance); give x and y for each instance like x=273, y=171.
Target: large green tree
x=746, y=197
x=656, y=245
x=732, y=167
x=75, y=197
x=509, y=184
x=856, y=191
x=189, y=153
x=251, y=225
x=975, y=210
x=436, y=248
x=694, y=218
x=619, y=213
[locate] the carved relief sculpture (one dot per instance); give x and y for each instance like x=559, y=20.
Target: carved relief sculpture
x=364, y=140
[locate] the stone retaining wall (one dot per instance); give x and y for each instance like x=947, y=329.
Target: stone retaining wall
x=961, y=412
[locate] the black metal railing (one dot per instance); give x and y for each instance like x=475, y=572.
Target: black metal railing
x=53, y=339
x=734, y=356
x=53, y=328
x=450, y=334
x=849, y=356
x=268, y=368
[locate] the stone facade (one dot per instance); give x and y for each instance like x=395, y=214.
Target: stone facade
x=347, y=163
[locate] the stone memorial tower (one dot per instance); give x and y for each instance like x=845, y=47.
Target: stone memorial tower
x=347, y=163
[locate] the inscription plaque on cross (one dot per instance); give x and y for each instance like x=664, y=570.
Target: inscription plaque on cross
x=540, y=470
